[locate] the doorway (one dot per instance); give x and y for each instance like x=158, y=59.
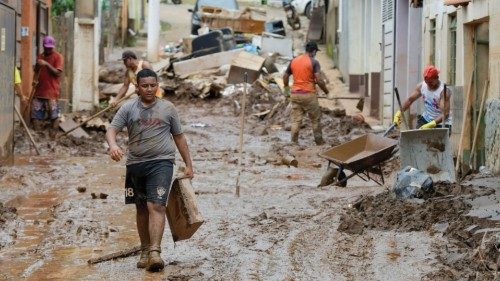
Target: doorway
x=481, y=75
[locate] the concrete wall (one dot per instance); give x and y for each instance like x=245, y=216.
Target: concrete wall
x=359, y=34
x=343, y=33
x=408, y=54
x=62, y=30
x=85, y=65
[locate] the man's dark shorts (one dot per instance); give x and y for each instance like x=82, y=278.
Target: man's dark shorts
x=40, y=108
x=148, y=181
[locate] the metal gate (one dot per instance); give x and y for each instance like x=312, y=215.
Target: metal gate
x=7, y=61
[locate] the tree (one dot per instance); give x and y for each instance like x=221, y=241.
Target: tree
x=59, y=7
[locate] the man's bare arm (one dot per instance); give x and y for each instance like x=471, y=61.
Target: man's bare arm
x=182, y=146
x=54, y=71
x=321, y=83
x=413, y=97
x=445, y=107
x=286, y=79
x=123, y=90
x=19, y=92
x=115, y=151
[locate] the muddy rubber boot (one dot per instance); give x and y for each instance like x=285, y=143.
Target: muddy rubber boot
x=155, y=262
x=143, y=260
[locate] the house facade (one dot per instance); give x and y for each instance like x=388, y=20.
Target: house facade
x=461, y=39
x=384, y=44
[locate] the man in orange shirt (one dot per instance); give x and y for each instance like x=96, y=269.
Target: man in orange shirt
x=49, y=66
x=306, y=74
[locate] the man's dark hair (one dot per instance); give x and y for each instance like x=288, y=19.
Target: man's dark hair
x=311, y=46
x=146, y=73
x=128, y=54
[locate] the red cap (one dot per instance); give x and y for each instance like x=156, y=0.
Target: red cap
x=430, y=71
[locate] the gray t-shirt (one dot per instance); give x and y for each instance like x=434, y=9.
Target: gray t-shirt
x=150, y=129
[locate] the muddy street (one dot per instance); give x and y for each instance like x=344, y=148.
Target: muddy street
x=62, y=208
x=282, y=226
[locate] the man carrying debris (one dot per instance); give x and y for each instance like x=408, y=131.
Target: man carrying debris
x=133, y=66
x=306, y=74
x=49, y=68
x=153, y=127
x=436, y=107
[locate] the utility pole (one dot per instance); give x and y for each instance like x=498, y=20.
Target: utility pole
x=153, y=29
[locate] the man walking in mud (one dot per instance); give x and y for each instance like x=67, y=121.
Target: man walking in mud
x=48, y=69
x=436, y=106
x=305, y=70
x=154, y=131
x=133, y=66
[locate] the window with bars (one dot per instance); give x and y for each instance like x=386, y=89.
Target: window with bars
x=432, y=33
x=452, y=59
x=387, y=10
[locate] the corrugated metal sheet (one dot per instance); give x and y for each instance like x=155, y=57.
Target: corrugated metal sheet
x=7, y=61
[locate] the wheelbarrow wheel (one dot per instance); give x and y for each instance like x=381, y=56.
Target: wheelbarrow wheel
x=330, y=177
x=342, y=176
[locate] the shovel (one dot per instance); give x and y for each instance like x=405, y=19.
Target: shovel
x=429, y=151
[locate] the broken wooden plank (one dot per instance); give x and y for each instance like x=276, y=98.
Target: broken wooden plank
x=205, y=62
x=245, y=62
x=120, y=254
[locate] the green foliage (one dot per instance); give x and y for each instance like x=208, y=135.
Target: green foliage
x=59, y=7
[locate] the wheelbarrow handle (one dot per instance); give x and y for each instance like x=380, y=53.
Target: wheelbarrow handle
x=389, y=129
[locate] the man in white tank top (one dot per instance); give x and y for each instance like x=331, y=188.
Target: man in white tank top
x=436, y=107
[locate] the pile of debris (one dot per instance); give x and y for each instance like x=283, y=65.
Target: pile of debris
x=473, y=249
x=90, y=144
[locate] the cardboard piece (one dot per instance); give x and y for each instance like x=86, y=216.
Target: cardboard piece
x=183, y=215
x=245, y=62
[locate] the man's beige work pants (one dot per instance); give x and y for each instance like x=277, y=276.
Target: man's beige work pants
x=302, y=104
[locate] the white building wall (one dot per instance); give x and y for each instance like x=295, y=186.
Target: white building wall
x=355, y=36
x=375, y=31
x=85, y=65
x=343, y=33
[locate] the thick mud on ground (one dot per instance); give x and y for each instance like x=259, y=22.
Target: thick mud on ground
x=472, y=243
x=281, y=228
